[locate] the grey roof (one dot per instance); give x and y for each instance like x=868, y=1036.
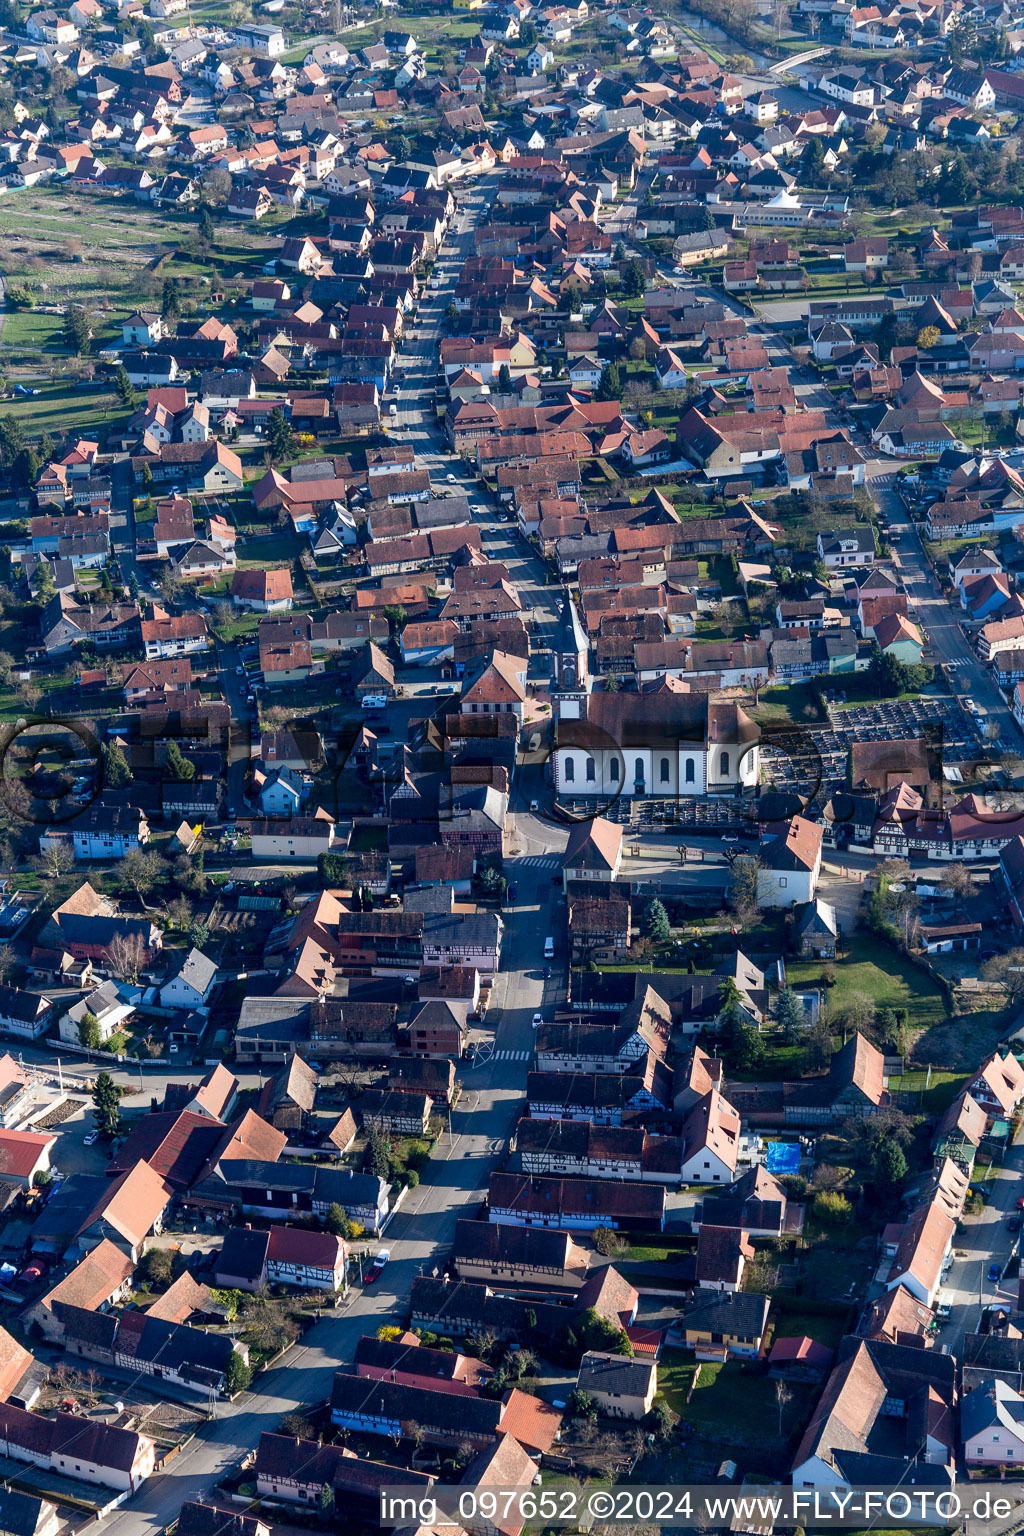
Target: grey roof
x=98, y=1002
x=994, y=1402
x=325, y=1185
x=845, y=539
x=284, y=1016
x=197, y=969
x=22, y=1513
x=243, y=1254
x=740, y=1312
x=473, y=928
x=819, y=915
x=619, y=1374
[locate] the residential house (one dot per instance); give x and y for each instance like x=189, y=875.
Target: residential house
x=621, y=1386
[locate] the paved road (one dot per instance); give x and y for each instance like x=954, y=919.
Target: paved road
x=416, y=424
x=981, y=1241
x=452, y=1185
x=456, y=1178
x=937, y=618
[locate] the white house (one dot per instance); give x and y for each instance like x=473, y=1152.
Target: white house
x=106, y=1006
x=284, y=792
x=192, y=984
x=711, y=1140
x=310, y=1261
x=922, y=1251
x=108, y=832
x=303, y=838
x=25, y=1014
x=790, y=863
x=645, y=745
x=142, y=329
x=846, y=548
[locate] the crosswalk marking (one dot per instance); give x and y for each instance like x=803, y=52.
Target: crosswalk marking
x=512, y=1055
x=536, y=861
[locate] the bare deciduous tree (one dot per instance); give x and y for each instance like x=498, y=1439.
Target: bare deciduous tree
x=56, y=859
x=139, y=872
x=126, y=956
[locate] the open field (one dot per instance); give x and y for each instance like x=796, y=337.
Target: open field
x=895, y=983
x=729, y=1401
x=65, y=407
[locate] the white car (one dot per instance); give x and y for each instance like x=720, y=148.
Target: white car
x=451, y=480
x=92, y=1138
x=538, y=1020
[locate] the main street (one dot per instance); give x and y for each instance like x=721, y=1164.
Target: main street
x=452, y=1185
x=417, y=425
x=455, y=1180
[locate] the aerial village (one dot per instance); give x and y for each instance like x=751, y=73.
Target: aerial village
x=511, y=754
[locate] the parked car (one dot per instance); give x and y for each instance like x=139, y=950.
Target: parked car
x=374, y=1271
x=994, y=1271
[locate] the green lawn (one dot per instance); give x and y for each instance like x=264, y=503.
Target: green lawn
x=67, y=407
x=729, y=1403
x=791, y=1323
x=791, y=704
x=937, y=1096
x=27, y=329
x=659, y=1249
x=271, y=549
x=875, y=971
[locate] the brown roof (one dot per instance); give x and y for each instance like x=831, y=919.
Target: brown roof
x=713, y=1123
x=343, y=1130
x=966, y=1116
x=93, y=1281
x=20, y=1152
x=879, y=764
x=897, y=1316
x=15, y=1360
x=132, y=1203
x=551, y=1197
x=593, y=844
x=298, y=1245
x=215, y=1091
x=533, y=1423
x=610, y=1294
x=183, y=1297
x=705, y=1071
x=721, y=1252
x=263, y=586
x=1003, y=1076
x=251, y=1137
x=924, y=1245
x=861, y=1064
x=798, y=846
x=85, y=902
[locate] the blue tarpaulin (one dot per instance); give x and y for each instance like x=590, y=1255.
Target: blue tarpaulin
x=783, y=1157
